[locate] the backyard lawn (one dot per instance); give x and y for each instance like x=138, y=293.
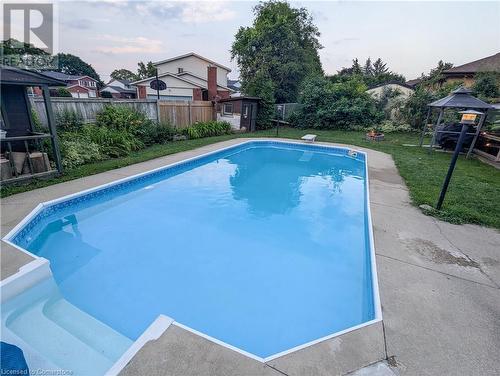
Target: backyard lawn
x=473, y=196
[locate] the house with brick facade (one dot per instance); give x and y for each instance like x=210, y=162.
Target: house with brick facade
x=78, y=86
x=188, y=77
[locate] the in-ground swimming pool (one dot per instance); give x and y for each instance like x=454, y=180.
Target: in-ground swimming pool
x=265, y=246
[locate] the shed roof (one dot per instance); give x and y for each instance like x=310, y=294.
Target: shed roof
x=461, y=98
x=16, y=76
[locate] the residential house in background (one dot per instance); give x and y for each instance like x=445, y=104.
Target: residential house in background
x=413, y=83
x=188, y=77
x=78, y=86
x=467, y=72
x=235, y=85
x=404, y=90
x=120, y=89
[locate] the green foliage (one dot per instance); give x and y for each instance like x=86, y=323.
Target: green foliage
x=487, y=85
x=261, y=86
x=415, y=109
x=372, y=74
x=68, y=121
x=153, y=133
x=435, y=77
x=145, y=70
x=124, y=74
x=71, y=64
x=207, y=129
x=61, y=92
x=121, y=118
x=106, y=94
x=37, y=123
x=283, y=41
x=77, y=151
x=112, y=142
x=14, y=47
x=328, y=105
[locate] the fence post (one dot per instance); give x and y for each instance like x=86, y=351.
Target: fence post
x=190, y=115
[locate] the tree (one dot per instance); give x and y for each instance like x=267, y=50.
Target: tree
x=71, y=64
x=368, y=67
x=145, y=70
x=371, y=74
x=435, y=76
x=487, y=85
x=261, y=85
x=124, y=74
x=379, y=67
x=283, y=41
x=14, y=47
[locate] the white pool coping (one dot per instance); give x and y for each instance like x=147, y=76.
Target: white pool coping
x=26, y=278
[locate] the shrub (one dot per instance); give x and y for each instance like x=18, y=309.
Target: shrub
x=106, y=94
x=487, y=85
x=121, y=118
x=76, y=152
x=342, y=105
x=113, y=143
x=155, y=133
x=60, y=92
x=68, y=121
x=207, y=129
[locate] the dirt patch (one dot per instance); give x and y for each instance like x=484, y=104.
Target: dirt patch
x=439, y=255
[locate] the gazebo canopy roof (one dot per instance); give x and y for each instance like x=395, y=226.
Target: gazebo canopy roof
x=461, y=98
x=16, y=76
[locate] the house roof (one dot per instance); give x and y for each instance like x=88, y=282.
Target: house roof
x=232, y=99
x=178, y=76
x=65, y=77
x=234, y=85
x=167, y=75
x=119, y=89
x=201, y=78
x=16, y=76
x=192, y=54
x=487, y=64
x=414, y=82
x=461, y=98
x=393, y=83
x=125, y=82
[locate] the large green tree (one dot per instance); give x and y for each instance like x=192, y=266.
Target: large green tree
x=282, y=44
x=371, y=74
x=124, y=74
x=71, y=64
x=145, y=70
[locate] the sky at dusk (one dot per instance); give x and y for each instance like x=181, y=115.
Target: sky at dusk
x=410, y=36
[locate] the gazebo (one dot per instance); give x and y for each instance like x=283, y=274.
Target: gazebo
x=22, y=146
x=459, y=99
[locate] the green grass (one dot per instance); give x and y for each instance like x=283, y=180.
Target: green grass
x=473, y=195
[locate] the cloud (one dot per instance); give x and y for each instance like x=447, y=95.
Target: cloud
x=183, y=11
x=124, y=45
x=344, y=40
x=78, y=24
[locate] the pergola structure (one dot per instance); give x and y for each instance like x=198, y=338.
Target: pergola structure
x=22, y=146
x=460, y=99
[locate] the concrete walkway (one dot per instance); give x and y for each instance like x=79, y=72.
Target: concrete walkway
x=439, y=285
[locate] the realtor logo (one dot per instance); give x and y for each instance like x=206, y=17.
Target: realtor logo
x=29, y=24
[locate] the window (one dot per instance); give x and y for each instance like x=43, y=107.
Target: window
x=227, y=109
x=180, y=70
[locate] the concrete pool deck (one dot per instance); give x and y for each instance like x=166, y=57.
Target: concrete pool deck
x=439, y=286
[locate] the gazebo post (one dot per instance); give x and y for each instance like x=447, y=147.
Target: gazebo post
x=476, y=136
x=440, y=117
x=425, y=126
x=52, y=127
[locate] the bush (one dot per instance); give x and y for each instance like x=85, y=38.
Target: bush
x=69, y=121
x=487, y=85
x=106, y=94
x=60, y=92
x=207, y=129
x=121, y=118
x=342, y=105
x=113, y=143
x=155, y=133
x=76, y=152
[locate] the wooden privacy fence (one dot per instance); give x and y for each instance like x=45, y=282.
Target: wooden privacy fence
x=182, y=114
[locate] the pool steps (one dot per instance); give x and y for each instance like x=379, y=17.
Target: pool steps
x=54, y=333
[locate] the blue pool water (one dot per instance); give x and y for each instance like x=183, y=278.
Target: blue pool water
x=264, y=246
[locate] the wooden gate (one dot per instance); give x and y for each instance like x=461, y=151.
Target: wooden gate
x=182, y=114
